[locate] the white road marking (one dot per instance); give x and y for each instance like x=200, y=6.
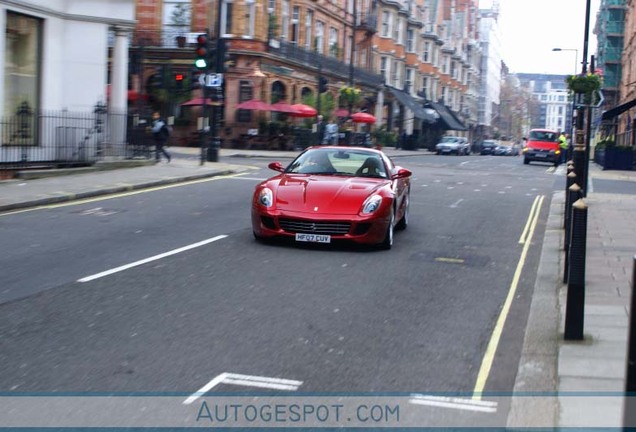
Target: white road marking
x=477, y=190
x=153, y=258
x=456, y=203
x=249, y=178
x=455, y=403
x=245, y=380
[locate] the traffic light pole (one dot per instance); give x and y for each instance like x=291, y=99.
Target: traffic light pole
x=215, y=139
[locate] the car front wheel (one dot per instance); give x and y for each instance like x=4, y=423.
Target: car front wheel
x=387, y=243
x=404, y=222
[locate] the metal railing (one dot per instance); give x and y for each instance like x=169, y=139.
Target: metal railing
x=50, y=139
x=311, y=58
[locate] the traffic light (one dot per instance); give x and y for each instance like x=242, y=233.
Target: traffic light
x=322, y=84
x=178, y=80
x=202, y=51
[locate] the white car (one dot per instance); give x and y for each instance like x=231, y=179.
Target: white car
x=453, y=144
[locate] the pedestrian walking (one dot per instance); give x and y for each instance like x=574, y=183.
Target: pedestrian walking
x=160, y=133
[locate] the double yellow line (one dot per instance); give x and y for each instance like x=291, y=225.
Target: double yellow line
x=491, y=350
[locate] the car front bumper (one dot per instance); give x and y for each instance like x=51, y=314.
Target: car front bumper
x=359, y=229
x=542, y=156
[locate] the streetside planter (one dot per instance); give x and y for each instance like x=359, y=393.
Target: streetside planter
x=613, y=157
x=618, y=158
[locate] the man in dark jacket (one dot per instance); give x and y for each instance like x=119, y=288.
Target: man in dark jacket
x=160, y=133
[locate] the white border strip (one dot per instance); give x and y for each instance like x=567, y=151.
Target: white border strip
x=147, y=260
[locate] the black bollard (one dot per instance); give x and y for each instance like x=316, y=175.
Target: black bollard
x=575, y=305
x=570, y=179
x=573, y=195
x=629, y=406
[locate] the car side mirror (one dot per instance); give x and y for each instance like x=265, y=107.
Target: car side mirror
x=276, y=166
x=401, y=173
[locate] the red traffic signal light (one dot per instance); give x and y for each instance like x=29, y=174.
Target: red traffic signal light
x=178, y=77
x=201, y=51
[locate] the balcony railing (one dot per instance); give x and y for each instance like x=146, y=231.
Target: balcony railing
x=313, y=59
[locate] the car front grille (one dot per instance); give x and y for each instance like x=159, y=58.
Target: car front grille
x=307, y=226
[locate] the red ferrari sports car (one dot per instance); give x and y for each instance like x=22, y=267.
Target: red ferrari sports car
x=333, y=193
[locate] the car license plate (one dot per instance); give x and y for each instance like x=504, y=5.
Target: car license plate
x=313, y=238
x=541, y=155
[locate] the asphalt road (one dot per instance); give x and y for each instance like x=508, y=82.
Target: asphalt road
x=418, y=318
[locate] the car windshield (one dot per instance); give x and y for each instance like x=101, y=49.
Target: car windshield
x=543, y=136
x=448, y=139
x=332, y=161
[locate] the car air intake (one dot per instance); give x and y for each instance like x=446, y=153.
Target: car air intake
x=314, y=227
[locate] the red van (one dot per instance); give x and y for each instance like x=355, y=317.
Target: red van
x=542, y=145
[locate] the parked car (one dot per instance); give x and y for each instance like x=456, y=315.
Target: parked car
x=502, y=150
x=488, y=146
x=542, y=146
x=453, y=144
x=332, y=193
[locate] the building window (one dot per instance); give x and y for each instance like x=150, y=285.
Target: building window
x=22, y=77
x=384, y=68
x=408, y=85
x=176, y=20
x=395, y=78
x=386, y=24
x=246, y=92
x=397, y=31
x=284, y=26
x=226, y=17
x=320, y=36
x=309, y=21
x=250, y=15
x=295, y=24
x=425, y=88
x=333, y=42
x=410, y=40
x=271, y=5
x=426, y=52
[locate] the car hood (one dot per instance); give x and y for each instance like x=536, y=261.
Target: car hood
x=323, y=194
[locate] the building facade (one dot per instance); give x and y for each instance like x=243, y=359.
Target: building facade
x=54, y=61
x=415, y=63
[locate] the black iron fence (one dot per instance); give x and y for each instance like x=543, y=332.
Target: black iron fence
x=293, y=52
x=31, y=139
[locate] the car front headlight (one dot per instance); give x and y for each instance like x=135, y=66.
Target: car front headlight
x=371, y=204
x=265, y=197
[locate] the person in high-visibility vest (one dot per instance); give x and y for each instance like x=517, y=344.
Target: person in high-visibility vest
x=563, y=146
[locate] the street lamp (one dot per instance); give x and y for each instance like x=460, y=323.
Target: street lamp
x=576, y=55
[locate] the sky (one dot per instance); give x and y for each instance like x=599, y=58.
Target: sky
x=531, y=28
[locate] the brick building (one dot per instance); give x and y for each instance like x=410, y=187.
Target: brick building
x=416, y=63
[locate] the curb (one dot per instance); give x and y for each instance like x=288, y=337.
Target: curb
x=110, y=191
x=537, y=372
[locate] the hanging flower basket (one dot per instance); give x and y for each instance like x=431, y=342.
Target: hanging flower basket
x=585, y=85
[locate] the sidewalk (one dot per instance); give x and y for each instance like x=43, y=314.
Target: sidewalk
x=185, y=166
x=586, y=376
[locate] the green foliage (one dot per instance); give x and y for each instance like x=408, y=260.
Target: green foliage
x=349, y=96
x=384, y=137
x=327, y=103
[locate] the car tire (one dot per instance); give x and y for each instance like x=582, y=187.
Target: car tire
x=387, y=243
x=525, y=161
x=404, y=222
